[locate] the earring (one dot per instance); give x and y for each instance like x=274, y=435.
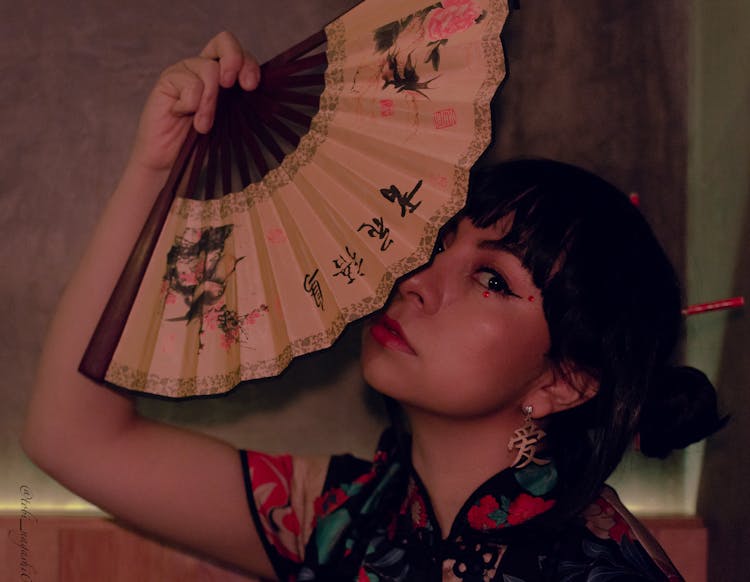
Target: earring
x=525, y=439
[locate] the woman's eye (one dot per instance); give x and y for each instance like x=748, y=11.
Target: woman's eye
x=494, y=282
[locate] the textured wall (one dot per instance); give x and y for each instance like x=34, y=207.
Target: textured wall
x=600, y=84
x=719, y=266
x=604, y=85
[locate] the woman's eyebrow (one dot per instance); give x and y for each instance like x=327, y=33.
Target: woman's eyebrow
x=451, y=226
x=499, y=244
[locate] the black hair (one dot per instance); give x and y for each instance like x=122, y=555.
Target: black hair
x=613, y=307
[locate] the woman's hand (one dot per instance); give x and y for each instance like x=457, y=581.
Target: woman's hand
x=186, y=94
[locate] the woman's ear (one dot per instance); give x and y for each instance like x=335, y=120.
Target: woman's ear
x=562, y=388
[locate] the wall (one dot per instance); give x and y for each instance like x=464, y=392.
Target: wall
x=719, y=266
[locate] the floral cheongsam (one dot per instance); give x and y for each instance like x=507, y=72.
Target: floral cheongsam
x=344, y=519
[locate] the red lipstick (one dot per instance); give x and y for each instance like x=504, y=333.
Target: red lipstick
x=388, y=333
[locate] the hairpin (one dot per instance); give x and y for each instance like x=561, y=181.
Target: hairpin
x=714, y=306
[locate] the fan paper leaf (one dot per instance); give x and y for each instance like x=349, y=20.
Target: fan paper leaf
x=309, y=198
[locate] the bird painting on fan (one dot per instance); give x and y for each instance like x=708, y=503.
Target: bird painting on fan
x=409, y=46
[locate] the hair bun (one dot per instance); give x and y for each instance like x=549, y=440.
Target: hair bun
x=681, y=409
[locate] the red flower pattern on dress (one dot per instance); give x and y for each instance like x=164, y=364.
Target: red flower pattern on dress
x=526, y=506
x=364, y=478
x=330, y=500
x=455, y=16
x=605, y=522
x=479, y=514
x=291, y=523
x=272, y=477
x=415, y=506
x=620, y=530
x=381, y=457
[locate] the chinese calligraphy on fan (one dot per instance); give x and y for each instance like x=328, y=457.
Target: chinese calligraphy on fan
x=378, y=229
x=349, y=266
x=393, y=194
x=312, y=286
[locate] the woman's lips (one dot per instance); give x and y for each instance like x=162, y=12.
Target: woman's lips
x=388, y=333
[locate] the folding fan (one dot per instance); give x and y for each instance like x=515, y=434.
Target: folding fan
x=310, y=196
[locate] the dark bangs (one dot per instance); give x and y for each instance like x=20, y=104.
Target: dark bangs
x=546, y=214
x=604, y=278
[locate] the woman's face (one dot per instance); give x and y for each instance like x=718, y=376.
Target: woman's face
x=464, y=337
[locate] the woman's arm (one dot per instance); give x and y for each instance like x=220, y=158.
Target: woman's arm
x=180, y=485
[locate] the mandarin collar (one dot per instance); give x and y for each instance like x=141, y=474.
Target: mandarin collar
x=505, y=500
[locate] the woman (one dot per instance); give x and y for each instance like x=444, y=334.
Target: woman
x=548, y=307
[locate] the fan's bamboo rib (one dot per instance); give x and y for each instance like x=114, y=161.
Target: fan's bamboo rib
x=101, y=348
x=235, y=135
x=274, y=108
x=295, y=97
x=293, y=115
x=283, y=131
x=223, y=153
x=303, y=64
x=265, y=138
x=312, y=80
x=251, y=142
x=211, y=165
x=293, y=53
x=197, y=167
x=291, y=136
x=225, y=157
x=240, y=158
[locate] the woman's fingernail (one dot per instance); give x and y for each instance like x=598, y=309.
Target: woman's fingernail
x=250, y=78
x=203, y=123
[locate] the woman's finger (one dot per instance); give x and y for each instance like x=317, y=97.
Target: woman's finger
x=193, y=85
x=234, y=63
x=207, y=71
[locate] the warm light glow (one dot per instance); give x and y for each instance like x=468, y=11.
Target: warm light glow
x=71, y=508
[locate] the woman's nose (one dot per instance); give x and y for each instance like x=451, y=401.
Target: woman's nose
x=423, y=287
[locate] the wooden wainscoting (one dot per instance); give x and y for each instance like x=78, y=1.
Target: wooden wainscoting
x=94, y=549
x=685, y=540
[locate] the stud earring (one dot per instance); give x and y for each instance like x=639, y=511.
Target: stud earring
x=526, y=439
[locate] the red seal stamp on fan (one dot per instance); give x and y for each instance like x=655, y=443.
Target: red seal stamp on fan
x=276, y=236
x=386, y=107
x=444, y=118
